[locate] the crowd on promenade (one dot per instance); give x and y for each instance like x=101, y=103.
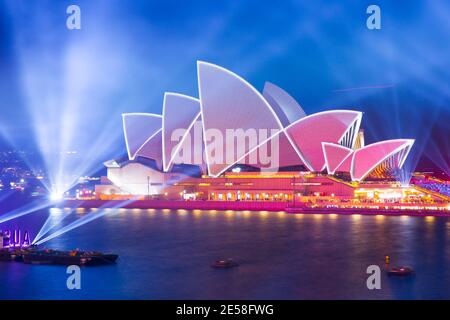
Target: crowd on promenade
x=442, y=187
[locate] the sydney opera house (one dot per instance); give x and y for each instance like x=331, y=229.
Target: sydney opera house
x=235, y=143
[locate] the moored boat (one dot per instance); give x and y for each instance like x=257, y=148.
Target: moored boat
x=401, y=271
x=7, y=254
x=224, y=264
x=74, y=257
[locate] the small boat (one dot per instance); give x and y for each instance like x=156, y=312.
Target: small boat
x=74, y=257
x=400, y=271
x=224, y=264
x=7, y=254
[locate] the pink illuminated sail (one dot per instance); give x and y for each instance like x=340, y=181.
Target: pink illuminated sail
x=335, y=155
x=336, y=126
x=368, y=158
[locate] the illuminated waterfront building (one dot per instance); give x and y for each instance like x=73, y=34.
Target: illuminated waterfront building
x=322, y=155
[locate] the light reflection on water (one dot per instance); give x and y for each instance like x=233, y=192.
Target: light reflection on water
x=165, y=254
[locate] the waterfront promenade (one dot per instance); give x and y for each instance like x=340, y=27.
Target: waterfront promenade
x=440, y=209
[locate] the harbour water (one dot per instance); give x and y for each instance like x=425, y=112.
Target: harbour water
x=166, y=254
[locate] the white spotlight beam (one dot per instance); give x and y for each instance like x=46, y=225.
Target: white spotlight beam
x=84, y=220
x=23, y=211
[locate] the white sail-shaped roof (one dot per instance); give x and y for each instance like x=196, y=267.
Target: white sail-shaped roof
x=179, y=114
x=190, y=149
x=287, y=109
x=229, y=102
x=152, y=149
x=138, y=128
x=271, y=125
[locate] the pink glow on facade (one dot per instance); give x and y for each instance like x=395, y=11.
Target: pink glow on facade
x=346, y=165
x=287, y=154
x=335, y=155
x=367, y=158
x=309, y=133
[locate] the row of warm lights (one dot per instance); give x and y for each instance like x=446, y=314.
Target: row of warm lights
x=136, y=210
x=264, y=195
x=389, y=207
x=246, y=213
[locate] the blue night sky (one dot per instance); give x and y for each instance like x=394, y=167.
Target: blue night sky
x=65, y=89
